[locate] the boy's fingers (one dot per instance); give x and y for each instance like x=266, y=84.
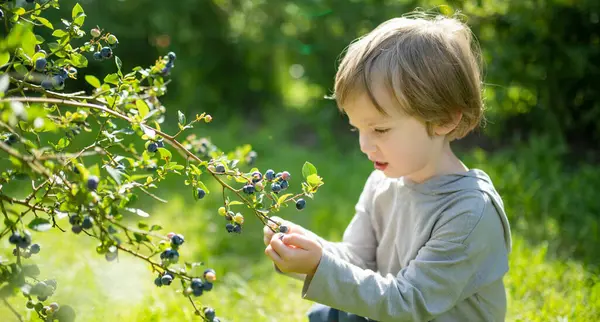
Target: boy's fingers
x=269, y=251
x=299, y=241
x=282, y=250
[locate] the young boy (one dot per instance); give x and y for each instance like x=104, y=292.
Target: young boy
x=429, y=240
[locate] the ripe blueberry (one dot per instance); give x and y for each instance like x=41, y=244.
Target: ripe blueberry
x=275, y=187
x=11, y=139
x=151, y=147
x=171, y=56
x=230, y=228
x=300, y=204
x=279, y=174
x=248, y=189
x=166, y=279
x=177, y=240
x=256, y=177
x=46, y=84
x=76, y=229
x=97, y=56
x=220, y=168
x=283, y=229
x=35, y=248
x=197, y=283
x=170, y=255
x=237, y=228
x=15, y=238
x=270, y=174
x=283, y=184
x=23, y=241
x=106, y=52
x=40, y=64
x=92, y=182
x=87, y=222
x=201, y=193
x=158, y=281
x=197, y=291
x=58, y=82
x=160, y=144
x=63, y=73
x=74, y=219
x=208, y=286
x=209, y=313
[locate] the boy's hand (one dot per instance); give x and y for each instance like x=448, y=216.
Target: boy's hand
x=292, y=229
x=295, y=253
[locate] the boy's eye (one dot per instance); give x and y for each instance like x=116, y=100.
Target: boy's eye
x=381, y=131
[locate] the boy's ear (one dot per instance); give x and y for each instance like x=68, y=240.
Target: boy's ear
x=444, y=129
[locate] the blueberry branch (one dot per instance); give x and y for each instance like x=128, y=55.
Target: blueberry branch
x=12, y=310
x=170, y=139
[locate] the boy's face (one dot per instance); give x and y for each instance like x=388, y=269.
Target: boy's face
x=398, y=144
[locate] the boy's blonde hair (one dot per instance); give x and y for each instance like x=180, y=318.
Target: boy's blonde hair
x=430, y=67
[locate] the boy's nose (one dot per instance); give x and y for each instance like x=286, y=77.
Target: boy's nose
x=366, y=145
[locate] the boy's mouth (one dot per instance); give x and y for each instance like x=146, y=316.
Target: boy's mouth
x=380, y=165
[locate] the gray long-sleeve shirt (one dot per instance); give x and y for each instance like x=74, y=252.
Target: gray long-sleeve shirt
x=432, y=251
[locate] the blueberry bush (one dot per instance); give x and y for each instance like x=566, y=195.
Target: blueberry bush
x=86, y=157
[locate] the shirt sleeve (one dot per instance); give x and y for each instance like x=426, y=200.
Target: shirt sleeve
x=428, y=286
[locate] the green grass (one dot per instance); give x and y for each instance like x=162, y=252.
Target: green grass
x=551, y=277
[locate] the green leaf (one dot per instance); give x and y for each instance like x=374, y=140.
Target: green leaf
x=77, y=9
x=45, y=22
x=155, y=227
x=164, y=153
x=114, y=173
x=59, y=33
x=40, y=224
x=79, y=60
x=142, y=225
x=4, y=58
x=308, y=169
x=138, y=212
x=92, y=80
x=235, y=202
x=118, y=62
x=203, y=187
x=142, y=108
x=78, y=15
x=112, y=79
x=20, y=69
x=28, y=42
x=181, y=117
x=19, y=11
x=283, y=197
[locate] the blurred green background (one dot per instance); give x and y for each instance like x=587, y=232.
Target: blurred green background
x=262, y=69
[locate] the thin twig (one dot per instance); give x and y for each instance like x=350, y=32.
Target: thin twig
x=13, y=310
